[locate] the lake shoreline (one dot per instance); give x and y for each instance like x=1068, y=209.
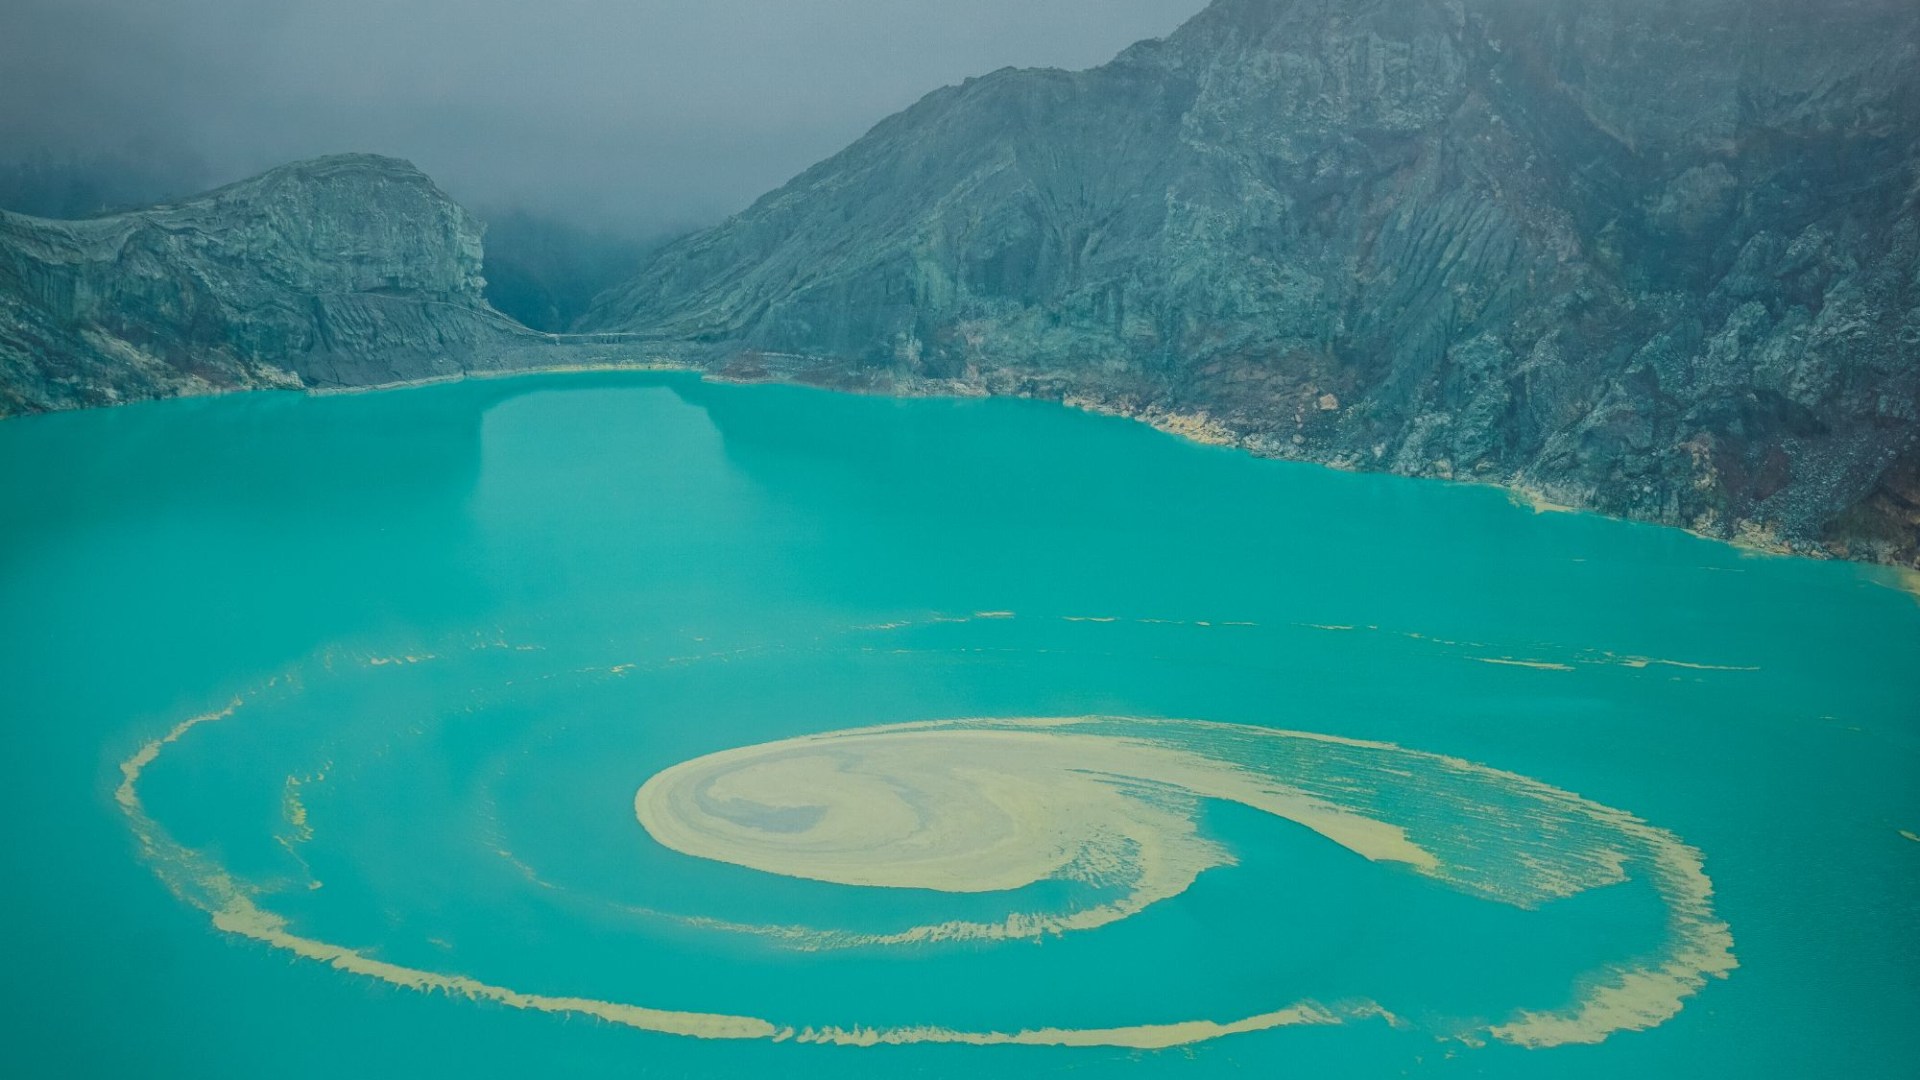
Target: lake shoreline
x=1195, y=426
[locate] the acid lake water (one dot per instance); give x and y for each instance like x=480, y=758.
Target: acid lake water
x=633, y=725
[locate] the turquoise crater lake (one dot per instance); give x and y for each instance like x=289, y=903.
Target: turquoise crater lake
x=637, y=725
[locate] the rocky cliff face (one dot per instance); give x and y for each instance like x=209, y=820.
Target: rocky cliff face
x=342, y=271
x=1658, y=259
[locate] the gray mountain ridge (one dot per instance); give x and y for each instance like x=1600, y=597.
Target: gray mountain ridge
x=345, y=271
x=1653, y=259
x=1661, y=261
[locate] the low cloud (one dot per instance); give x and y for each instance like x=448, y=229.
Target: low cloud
x=642, y=115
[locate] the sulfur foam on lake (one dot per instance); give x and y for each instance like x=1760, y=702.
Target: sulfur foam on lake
x=616, y=723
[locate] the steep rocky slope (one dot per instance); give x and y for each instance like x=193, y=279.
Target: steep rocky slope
x=1658, y=259
x=342, y=271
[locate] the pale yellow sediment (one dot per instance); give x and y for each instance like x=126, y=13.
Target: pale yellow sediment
x=653, y=364
x=1537, y=502
x=1015, y=807
x=127, y=794
x=1046, y=797
x=1196, y=426
x=1639, y=997
x=942, y=617
x=294, y=809
x=858, y=828
x=1652, y=661
x=1537, y=665
x=1584, y=656
x=388, y=661
x=242, y=917
x=1136, y=1037
x=196, y=879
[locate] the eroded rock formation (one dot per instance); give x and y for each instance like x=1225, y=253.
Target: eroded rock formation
x=1658, y=259
x=343, y=271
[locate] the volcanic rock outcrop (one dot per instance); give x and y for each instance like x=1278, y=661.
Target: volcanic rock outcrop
x=1657, y=259
x=343, y=271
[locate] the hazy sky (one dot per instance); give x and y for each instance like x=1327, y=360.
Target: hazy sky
x=651, y=113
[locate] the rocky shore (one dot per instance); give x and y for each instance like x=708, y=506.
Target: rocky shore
x=1656, y=261
x=1459, y=239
